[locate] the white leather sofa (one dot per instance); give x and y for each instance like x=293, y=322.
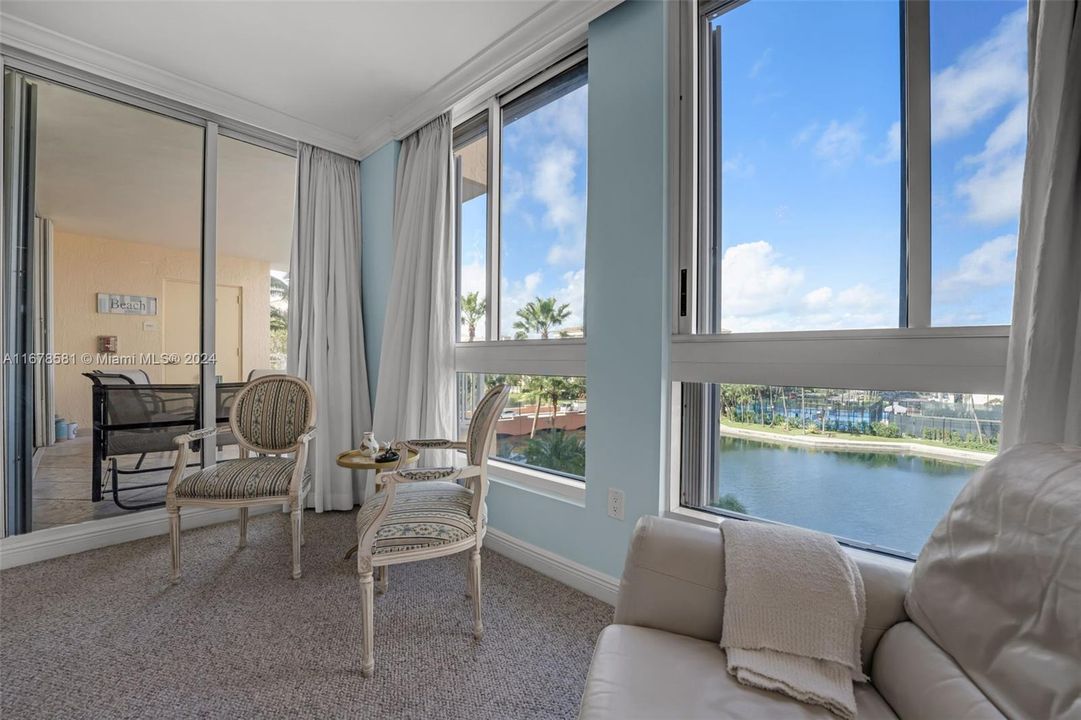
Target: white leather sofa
x=999, y=585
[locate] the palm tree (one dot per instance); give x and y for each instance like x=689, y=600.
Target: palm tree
x=558, y=450
x=540, y=315
x=534, y=387
x=473, y=309
x=279, y=290
x=558, y=389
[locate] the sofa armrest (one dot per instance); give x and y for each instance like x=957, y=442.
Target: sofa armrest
x=673, y=580
x=885, y=582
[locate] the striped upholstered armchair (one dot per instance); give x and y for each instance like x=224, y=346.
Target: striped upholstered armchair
x=425, y=513
x=272, y=416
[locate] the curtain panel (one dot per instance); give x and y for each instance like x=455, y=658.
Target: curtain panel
x=326, y=330
x=1043, y=366
x=415, y=395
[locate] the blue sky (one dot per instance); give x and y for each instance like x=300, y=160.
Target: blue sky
x=811, y=174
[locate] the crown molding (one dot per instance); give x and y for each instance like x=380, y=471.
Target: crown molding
x=49, y=45
x=551, y=32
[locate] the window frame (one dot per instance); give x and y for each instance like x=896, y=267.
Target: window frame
x=556, y=356
x=913, y=356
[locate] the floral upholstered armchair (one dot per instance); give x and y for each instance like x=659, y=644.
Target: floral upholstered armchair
x=271, y=416
x=425, y=513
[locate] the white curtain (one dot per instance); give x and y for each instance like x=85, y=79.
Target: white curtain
x=1043, y=369
x=415, y=396
x=326, y=331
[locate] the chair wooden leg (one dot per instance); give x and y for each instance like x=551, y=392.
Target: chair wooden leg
x=243, y=527
x=302, y=525
x=174, y=543
x=296, y=543
x=468, y=575
x=367, y=600
x=384, y=579
x=474, y=566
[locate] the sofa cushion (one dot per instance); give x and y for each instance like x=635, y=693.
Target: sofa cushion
x=998, y=585
x=918, y=680
x=645, y=673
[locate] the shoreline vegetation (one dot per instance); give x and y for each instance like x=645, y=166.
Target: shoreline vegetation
x=853, y=442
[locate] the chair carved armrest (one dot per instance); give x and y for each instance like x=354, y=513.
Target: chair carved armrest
x=190, y=437
x=183, y=450
x=427, y=474
x=435, y=444
x=307, y=436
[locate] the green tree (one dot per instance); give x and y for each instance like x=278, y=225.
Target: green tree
x=534, y=388
x=560, y=389
x=473, y=309
x=729, y=502
x=557, y=450
x=279, y=320
x=540, y=316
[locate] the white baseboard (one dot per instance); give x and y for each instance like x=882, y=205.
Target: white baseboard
x=593, y=583
x=68, y=539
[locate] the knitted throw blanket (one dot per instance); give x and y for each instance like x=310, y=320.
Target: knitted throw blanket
x=793, y=614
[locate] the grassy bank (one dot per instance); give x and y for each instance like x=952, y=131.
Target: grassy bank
x=809, y=435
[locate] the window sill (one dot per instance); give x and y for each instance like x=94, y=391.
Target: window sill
x=535, y=481
x=700, y=517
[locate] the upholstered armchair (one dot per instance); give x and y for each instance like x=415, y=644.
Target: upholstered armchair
x=272, y=416
x=427, y=513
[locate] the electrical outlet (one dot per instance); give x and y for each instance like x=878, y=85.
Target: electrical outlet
x=615, y=503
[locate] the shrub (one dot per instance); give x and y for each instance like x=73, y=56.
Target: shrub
x=884, y=429
x=729, y=502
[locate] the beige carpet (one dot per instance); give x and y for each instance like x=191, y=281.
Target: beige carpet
x=103, y=635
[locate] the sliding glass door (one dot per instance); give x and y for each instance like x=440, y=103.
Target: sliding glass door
x=145, y=279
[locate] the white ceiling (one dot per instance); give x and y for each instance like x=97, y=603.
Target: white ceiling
x=110, y=170
x=339, y=71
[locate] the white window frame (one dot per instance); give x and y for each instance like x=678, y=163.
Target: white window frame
x=914, y=356
x=555, y=356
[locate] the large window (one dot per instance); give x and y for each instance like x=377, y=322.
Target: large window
x=521, y=267
x=521, y=225
x=859, y=169
x=543, y=210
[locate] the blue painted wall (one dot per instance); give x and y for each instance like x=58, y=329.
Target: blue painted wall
x=377, y=175
x=626, y=298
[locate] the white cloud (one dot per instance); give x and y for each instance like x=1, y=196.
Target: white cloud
x=760, y=293
x=1010, y=133
x=989, y=265
x=761, y=63
x=841, y=142
x=472, y=278
x=993, y=190
x=753, y=280
x=806, y=133
x=818, y=298
x=984, y=78
x=891, y=147
x=553, y=181
x=573, y=293
x=738, y=166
